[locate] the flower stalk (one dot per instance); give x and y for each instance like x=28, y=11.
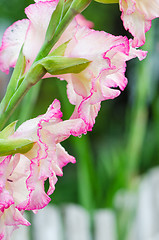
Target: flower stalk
x=54, y=31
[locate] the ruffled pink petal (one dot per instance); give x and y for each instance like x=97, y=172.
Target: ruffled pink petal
x=136, y=52
x=10, y=220
x=52, y=182
x=135, y=24
x=63, y=158
x=29, y=128
x=18, y=180
x=150, y=9
x=6, y=200
x=88, y=112
x=37, y=198
x=12, y=42
x=14, y=217
x=137, y=16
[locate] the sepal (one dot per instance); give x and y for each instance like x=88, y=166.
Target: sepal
x=19, y=70
x=79, y=5
x=55, y=20
x=13, y=146
x=57, y=65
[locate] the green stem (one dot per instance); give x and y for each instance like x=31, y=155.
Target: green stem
x=32, y=77
x=13, y=83
x=85, y=172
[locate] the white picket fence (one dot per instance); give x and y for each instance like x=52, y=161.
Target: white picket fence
x=72, y=222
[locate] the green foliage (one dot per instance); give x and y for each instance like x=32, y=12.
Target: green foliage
x=14, y=81
x=13, y=10
x=55, y=20
x=10, y=146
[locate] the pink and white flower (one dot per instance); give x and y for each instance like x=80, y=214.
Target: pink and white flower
x=47, y=156
x=137, y=16
x=22, y=176
x=104, y=78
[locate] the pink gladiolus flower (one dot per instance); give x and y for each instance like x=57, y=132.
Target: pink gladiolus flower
x=22, y=176
x=104, y=78
x=137, y=16
x=47, y=156
x=100, y=81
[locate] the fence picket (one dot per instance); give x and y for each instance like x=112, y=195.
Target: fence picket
x=77, y=223
x=21, y=234
x=47, y=224
x=105, y=225
x=146, y=211
x=72, y=222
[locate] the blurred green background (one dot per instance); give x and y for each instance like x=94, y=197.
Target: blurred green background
x=124, y=142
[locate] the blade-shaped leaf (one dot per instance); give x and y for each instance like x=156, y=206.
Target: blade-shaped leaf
x=55, y=20
x=18, y=71
x=79, y=5
x=67, y=6
x=61, y=65
x=13, y=83
x=8, y=131
x=12, y=146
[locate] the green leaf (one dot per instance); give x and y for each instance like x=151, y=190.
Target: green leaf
x=57, y=65
x=107, y=1
x=79, y=5
x=60, y=51
x=13, y=83
x=12, y=146
x=18, y=71
x=55, y=20
x=67, y=6
x=8, y=131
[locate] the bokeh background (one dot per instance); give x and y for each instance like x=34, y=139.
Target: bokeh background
x=124, y=142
